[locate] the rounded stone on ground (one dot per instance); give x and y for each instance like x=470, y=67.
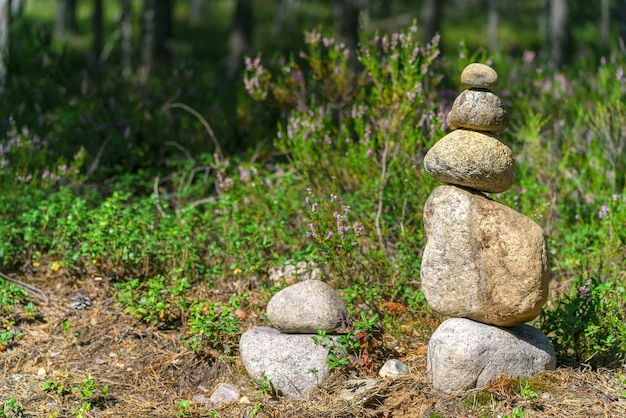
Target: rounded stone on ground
x=479, y=110
x=225, y=393
x=479, y=75
x=472, y=159
x=305, y=307
x=393, y=368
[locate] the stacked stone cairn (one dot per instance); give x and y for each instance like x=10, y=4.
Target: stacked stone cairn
x=286, y=353
x=484, y=264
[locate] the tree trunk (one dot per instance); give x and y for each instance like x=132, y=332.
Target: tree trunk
x=17, y=8
x=65, y=21
x=605, y=25
x=282, y=8
x=432, y=15
x=162, y=29
x=240, y=36
x=558, y=31
x=97, y=25
x=543, y=19
x=349, y=28
x=494, y=41
x=622, y=25
x=147, y=39
x=385, y=8
x=196, y=10
x=5, y=23
x=126, y=38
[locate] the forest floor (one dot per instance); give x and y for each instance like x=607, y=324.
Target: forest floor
x=82, y=333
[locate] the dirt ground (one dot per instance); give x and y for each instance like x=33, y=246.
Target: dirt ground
x=81, y=331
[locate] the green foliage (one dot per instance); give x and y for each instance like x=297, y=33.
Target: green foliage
x=10, y=295
x=357, y=347
x=264, y=385
x=588, y=325
x=57, y=385
x=346, y=190
x=11, y=408
x=212, y=323
x=184, y=408
x=516, y=413
x=9, y=333
x=363, y=129
x=148, y=300
x=335, y=235
x=86, y=390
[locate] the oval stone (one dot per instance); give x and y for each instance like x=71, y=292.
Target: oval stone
x=482, y=260
x=479, y=110
x=294, y=363
x=305, y=307
x=479, y=75
x=464, y=354
x=472, y=159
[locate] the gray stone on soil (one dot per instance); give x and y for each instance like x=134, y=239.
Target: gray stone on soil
x=479, y=110
x=482, y=259
x=472, y=159
x=463, y=354
x=225, y=393
x=358, y=390
x=305, y=307
x=393, y=368
x=479, y=75
x=294, y=363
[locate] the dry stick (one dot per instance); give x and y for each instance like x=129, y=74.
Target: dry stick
x=204, y=123
x=157, y=199
x=381, y=187
x=32, y=289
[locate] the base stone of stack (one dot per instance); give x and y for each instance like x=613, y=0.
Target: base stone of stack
x=482, y=259
x=463, y=354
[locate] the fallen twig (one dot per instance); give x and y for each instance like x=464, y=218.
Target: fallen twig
x=31, y=289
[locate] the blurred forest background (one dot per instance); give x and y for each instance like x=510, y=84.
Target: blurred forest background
x=90, y=73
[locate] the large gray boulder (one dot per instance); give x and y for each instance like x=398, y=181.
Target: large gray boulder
x=482, y=259
x=463, y=354
x=293, y=363
x=305, y=307
x=472, y=159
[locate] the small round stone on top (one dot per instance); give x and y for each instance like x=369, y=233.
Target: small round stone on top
x=479, y=75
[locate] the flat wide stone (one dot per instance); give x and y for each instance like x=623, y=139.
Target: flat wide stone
x=463, y=354
x=482, y=259
x=472, y=159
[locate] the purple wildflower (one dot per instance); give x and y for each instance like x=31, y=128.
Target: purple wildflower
x=604, y=210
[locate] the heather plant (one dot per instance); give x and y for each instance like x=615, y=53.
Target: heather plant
x=359, y=136
x=366, y=129
x=335, y=235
